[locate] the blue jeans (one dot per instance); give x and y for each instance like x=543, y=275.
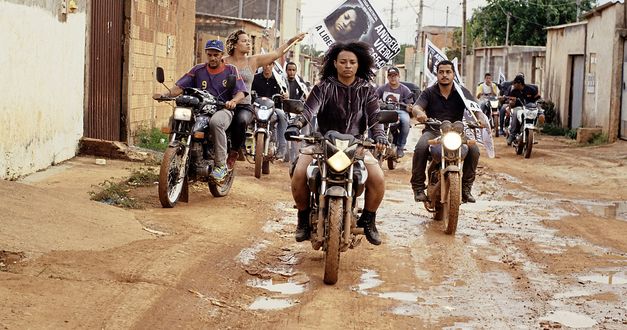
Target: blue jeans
x=400, y=139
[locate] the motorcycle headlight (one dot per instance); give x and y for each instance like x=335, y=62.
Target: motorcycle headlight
x=182, y=114
x=494, y=103
x=339, y=162
x=531, y=114
x=452, y=141
x=264, y=113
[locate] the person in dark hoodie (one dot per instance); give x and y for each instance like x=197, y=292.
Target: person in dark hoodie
x=344, y=101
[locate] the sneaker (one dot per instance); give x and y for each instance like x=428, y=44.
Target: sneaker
x=510, y=139
x=400, y=152
x=280, y=154
x=231, y=159
x=501, y=132
x=219, y=173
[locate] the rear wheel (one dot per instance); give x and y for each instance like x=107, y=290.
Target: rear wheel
x=259, y=146
x=221, y=190
x=332, y=251
x=170, y=179
x=454, y=200
x=529, y=144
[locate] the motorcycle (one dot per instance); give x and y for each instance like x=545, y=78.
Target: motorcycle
x=389, y=153
x=493, y=102
x=189, y=155
x=336, y=177
x=444, y=171
x=529, y=116
x=261, y=142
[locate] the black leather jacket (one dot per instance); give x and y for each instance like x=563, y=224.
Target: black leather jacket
x=346, y=109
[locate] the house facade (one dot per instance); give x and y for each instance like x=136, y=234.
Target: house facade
x=585, y=76
x=86, y=71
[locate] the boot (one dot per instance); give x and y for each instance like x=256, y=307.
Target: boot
x=367, y=222
x=303, y=231
x=419, y=196
x=466, y=193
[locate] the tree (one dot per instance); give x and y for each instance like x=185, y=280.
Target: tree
x=528, y=18
x=400, y=57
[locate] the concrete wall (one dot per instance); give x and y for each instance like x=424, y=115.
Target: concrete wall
x=161, y=34
x=42, y=60
x=562, y=43
x=600, y=53
x=526, y=59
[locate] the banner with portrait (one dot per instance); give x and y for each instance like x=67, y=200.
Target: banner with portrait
x=357, y=20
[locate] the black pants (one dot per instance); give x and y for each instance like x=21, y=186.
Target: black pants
x=242, y=116
x=421, y=154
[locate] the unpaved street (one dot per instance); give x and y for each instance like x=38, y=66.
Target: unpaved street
x=545, y=246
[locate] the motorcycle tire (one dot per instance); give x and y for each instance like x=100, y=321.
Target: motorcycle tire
x=391, y=163
x=222, y=189
x=495, y=119
x=333, y=236
x=170, y=181
x=529, y=144
x=454, y=201
x=259, y=146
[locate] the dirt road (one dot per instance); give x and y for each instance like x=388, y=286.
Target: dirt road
x=544, y=246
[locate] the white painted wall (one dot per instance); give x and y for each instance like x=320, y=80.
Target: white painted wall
x=42, y=61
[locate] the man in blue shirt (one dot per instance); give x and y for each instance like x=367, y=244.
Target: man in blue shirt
x=212, y=76
x=392, y=93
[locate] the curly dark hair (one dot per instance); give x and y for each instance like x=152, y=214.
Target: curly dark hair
x=232, y=39
x=364, y=60
x=361, y=24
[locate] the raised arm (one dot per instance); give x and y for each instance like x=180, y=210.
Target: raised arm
x=263, y=59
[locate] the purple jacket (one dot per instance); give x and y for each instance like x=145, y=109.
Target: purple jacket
x=346, y=109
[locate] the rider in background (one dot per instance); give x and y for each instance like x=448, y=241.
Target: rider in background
x=343, y=101
x=519, y=93
x=484, y=90
x=265, y=85
x=396, y=92
x=442, y=102
x=211, y=76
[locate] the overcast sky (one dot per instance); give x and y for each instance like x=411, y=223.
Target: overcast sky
x=405, y=13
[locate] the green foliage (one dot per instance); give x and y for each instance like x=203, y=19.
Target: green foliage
x=152, y=139
x=555, y=130
x=598, y=139
x=528, y=18
x=143, y=177
x=550, y=115
x=114, y=193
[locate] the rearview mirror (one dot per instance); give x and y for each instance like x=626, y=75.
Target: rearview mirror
x=293, y=106
x=388, y=116
x=160, y=75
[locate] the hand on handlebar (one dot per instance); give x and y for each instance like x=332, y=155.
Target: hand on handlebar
x=230, y=105
x=421, y=117
x=381, y=142
x=291, y=132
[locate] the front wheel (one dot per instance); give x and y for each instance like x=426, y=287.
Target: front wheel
x=454, y=200
x=171, y=176
x=332, y=251
x=222, y=189
x=529, y=143
x=259, y=146
x=495, y=121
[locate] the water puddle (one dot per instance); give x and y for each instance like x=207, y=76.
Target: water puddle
x=263, y=303
x=401, y=296
x=614, y=210
x=288, y=287
x=570, y=319
x=369, y=280
x=247, y=255
x=613, y=277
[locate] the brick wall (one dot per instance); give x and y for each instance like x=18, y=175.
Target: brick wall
x=161, y=33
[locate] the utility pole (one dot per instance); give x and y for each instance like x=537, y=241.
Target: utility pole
x=446, y=29
x=392, y=16
x=578, y=4
x=463, y=53
x=418, y=52
x=240, y=12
